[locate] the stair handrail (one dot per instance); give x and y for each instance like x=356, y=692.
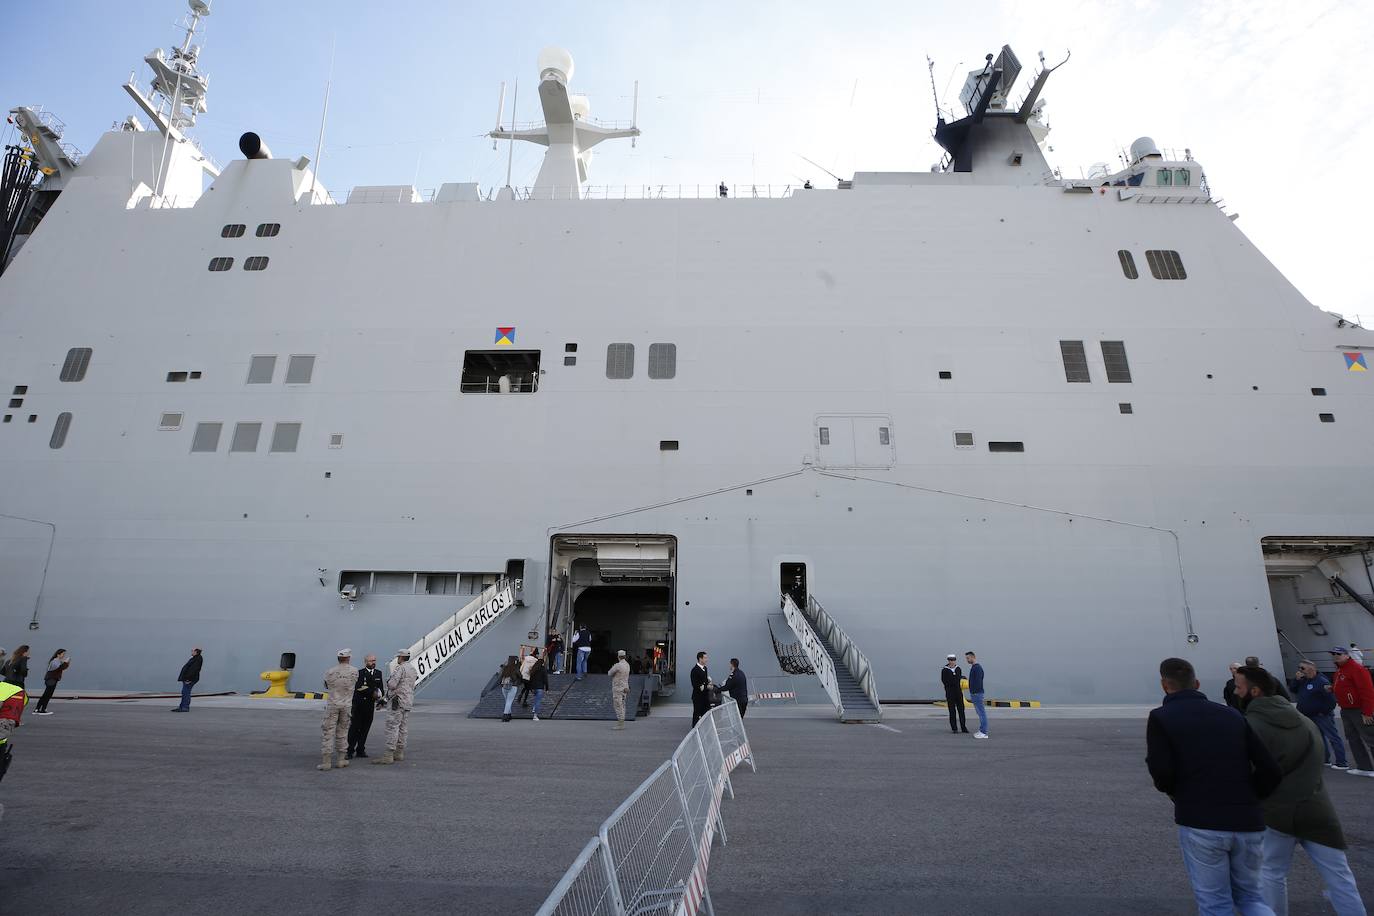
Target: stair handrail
x=500, y=595
x=854, y=660
x=814, y=650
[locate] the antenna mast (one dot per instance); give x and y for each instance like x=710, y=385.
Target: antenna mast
x=510, y=156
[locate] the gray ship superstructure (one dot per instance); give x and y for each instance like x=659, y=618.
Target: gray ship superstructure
x=1074, y=425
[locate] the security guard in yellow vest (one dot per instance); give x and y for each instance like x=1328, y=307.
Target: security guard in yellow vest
x=13, y=699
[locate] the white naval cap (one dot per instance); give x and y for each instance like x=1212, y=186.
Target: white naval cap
x=345, y=653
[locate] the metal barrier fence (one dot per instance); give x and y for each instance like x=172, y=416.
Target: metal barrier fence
x=651, y=855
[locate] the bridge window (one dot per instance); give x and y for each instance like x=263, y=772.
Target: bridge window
x=1165, y=265
x=74, y=368
x=268, y=230
x=255, y=263
x=299, y=370
x=1164, y=178
x=218, y=265
x=169, y=421
x=245, y=437
x=1182, y=178
x=620, y=360
x=1128, y=264
x=416, y=583
x=233, y=231
x=261, y=369
x=500, y=372
x=285, y=436
x=206, y=438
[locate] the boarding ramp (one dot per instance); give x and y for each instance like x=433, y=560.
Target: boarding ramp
x=652, y=854
x=843, y=670
x=569, y=698
x=454, y=634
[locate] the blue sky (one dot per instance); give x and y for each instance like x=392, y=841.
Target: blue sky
x=742, y=91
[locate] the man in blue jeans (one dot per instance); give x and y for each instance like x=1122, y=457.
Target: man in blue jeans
x=1205, y=757
x=190, y=674
x=975, y=692
x=1316, y=701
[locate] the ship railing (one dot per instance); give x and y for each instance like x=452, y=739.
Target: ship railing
x=742, y=191
x=813, y=647
x=854, y=660
x=595, y=122
x=456, y=632
x=491, y=384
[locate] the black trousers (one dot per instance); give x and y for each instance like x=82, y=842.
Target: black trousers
x=743, y=704
x=48, y=688
x=956, y=708
x=359, y=725
x=699, y=710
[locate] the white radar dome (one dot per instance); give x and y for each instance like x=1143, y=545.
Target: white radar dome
x=1145, y=146
x=581, y=107
x=557, y=60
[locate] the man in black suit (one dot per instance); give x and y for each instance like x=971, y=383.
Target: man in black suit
x=701, y=689
x=951, y=677
x=737, y=685
x=366, y=694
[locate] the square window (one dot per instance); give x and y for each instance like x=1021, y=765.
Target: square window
x=570, y=360
x=299, y=370
x=336, y=440
x=620, y=360
x=9, y=418
x=245, y=437
x=206, y=438
x=570, y=348
x=169, y=421
x=33, y=418
x=261, y=369
x=285, y=436
x=1327, y=417
x=195, y=375
x=21, y=389
x=946, y=374
x=662, y=360
x=1318, y=392
x=16, y=402
x=963, y=439
x=176, y=376
x=1125, y=407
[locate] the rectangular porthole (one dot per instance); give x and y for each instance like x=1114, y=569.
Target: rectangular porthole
x=662, y=360
x=74, y=368
x=667, y=445
x=177, y=376
x=245, y=437
x=620, y=360
x=500, y=372
x=336, y=440
x=299, y=370
x=1114, y=357
x=1327, y=417
x=16, y=402
x=33, y=418
x=946, y=374
x=1006, y=446
x=825, y=435
x=884, y=435
x=255, y=263
x=285, y=437
x=206, y=437
x=1318, y=392
x=963, y=439
x=21, y=389
x=59, y=431
x=1165, y=265
x=1075, y=361
x=195, y=375
x=261, y=369
x=1125, y=407
x=9, y=418
x=219, y=265
x=570, y=348
x=1128, y=264
x=570, y=360
x=169, y=421
x=268, y=230
x=233, y=231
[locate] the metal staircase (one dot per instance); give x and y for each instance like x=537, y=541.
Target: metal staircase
x=844, y=671
x=445, y=642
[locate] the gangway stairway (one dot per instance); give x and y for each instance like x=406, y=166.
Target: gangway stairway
x=843, y=670
x=455, y=633
x=567, y=698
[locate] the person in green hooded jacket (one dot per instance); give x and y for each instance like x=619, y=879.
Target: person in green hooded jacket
x=1299, y=810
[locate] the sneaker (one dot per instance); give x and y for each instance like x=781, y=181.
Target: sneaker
x=536, y=718
x=1354, y=772
x=980, y=735
x=1338, y=766
x=43, y=713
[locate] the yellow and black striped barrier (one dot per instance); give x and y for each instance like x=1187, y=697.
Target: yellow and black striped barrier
x=1005, y=704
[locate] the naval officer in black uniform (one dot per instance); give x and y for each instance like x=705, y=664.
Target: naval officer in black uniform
x=366, y=695
x=701, y=689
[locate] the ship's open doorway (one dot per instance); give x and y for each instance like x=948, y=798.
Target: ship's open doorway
x=792, y=581
x=622, y=588
x=1322, y=592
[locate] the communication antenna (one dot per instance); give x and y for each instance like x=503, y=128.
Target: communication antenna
x=634, y=116
x=324, y=118
x=510, y=158
x=930, y=65
x=822, y=168
x=500, y=111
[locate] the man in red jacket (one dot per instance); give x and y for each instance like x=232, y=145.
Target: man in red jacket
x=1355, y=695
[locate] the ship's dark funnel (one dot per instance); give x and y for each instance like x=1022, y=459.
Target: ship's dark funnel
x=252, y=147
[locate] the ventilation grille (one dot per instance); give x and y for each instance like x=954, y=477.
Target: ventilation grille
x=620, y=360
x=1075, y=361
x=662, y=360
x=1114, y=356
x=1165, y=265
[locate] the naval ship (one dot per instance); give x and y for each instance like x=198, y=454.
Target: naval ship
x=1074, y=424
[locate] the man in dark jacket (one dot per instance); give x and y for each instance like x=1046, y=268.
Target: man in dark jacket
x=1299, y=810
x=1316, y=701
x=737, y=685
x=1228, y=690
x=190, y=674
x=1215, y=768
x=367, y=696
x=951, y=678
x=701, y=689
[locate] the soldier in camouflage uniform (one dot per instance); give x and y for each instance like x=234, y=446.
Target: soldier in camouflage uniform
x=400, y=687
x=339, y=681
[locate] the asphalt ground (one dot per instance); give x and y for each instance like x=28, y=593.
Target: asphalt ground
x=120, y=807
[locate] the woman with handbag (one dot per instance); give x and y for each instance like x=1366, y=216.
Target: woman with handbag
x=56, y=665
x=510, y=684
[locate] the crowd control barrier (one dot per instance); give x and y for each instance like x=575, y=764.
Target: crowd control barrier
x=651, y=855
